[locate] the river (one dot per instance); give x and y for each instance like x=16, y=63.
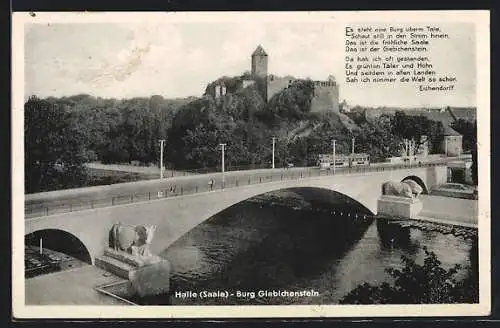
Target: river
x=293, y=244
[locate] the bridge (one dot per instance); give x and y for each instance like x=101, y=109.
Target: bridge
x=176, y=214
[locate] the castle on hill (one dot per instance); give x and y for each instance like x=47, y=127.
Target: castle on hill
x=326, y=92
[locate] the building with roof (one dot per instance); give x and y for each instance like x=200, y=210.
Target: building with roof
x=452, y=142
x=446, y=115
x=464, y=113
x=326, y=92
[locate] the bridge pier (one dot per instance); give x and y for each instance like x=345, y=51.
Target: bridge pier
x=401, y=207
x=392, y=234
x=146, y=276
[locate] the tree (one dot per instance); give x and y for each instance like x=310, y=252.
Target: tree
x=418, y=129
x=427, y=283
x=54, y=147
x=292, y=103
x=375, y=138
x=358, y=117
x=196, y=132
x=468, y=130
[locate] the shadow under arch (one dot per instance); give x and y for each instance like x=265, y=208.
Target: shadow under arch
x=59, y=241
x=317, y=197
x=262, y=243
x=419, y=181
x=324, y=196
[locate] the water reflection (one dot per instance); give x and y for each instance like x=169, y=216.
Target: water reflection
x=255, y=246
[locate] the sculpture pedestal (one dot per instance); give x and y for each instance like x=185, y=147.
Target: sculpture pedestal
x=151, y=279
x=401, y=207
x=148, y=276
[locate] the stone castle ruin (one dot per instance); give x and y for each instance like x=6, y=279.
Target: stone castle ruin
x=326, y=93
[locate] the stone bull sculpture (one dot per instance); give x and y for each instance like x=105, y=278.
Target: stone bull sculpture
x=147, y=273
x=415, y=187
x=134, y=240
x=407, y=188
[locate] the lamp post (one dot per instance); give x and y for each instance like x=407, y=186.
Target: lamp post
x=407, y=149
x=162, y=144
x=334, y=156
x=352, y=150
x=223, y=145
x=274, y=141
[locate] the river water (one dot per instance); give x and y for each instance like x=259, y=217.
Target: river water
x=291, y=245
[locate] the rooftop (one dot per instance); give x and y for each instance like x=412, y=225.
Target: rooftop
x=259, y=51
x=448, y=131
x=466, y=113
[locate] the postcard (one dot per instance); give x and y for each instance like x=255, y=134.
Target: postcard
x=251, y=164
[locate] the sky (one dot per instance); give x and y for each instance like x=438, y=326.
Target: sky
x=179, y=59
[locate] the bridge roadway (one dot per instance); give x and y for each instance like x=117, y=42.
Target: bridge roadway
x=175, y=216
x=70, y=200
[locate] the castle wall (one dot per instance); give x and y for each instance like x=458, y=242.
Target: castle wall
x=326, y=97
x=247, y=83
x=276, y=84
x=326, y=93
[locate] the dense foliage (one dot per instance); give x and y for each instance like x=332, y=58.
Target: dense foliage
x=122, y=130
x=376, y=139
x=418, y=129
x=56, y=147
x=427, y=283
x=293, y=103
x=63, y=133
x=468, y=130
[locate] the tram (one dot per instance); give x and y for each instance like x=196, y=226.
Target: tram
x=325, y=161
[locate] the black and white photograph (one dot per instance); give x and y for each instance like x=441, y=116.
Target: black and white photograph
x=298, y=164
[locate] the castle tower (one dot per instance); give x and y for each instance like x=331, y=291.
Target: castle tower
x=259, y=63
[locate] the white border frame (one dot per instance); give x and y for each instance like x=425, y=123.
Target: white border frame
x=20, y=310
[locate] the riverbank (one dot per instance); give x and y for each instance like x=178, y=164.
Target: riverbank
x=71, y=287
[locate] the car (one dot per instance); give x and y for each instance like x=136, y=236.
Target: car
x=456, y=190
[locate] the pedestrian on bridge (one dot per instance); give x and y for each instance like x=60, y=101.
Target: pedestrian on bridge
x=211, y=184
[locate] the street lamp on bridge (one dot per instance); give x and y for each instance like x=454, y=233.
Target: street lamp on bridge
x=223, y=145
x=162, y=145
x=334, y=156
x=274, y=141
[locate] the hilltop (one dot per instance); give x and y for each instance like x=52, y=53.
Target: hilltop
x=240, y=116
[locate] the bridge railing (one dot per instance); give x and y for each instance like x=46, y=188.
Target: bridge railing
x=57, y=207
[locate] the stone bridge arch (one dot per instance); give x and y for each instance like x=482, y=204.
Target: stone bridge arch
x=174, y=216
x=359, y=196
x=419, y=181
x=319, y=196
x=76, y=229
x=60, y=241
